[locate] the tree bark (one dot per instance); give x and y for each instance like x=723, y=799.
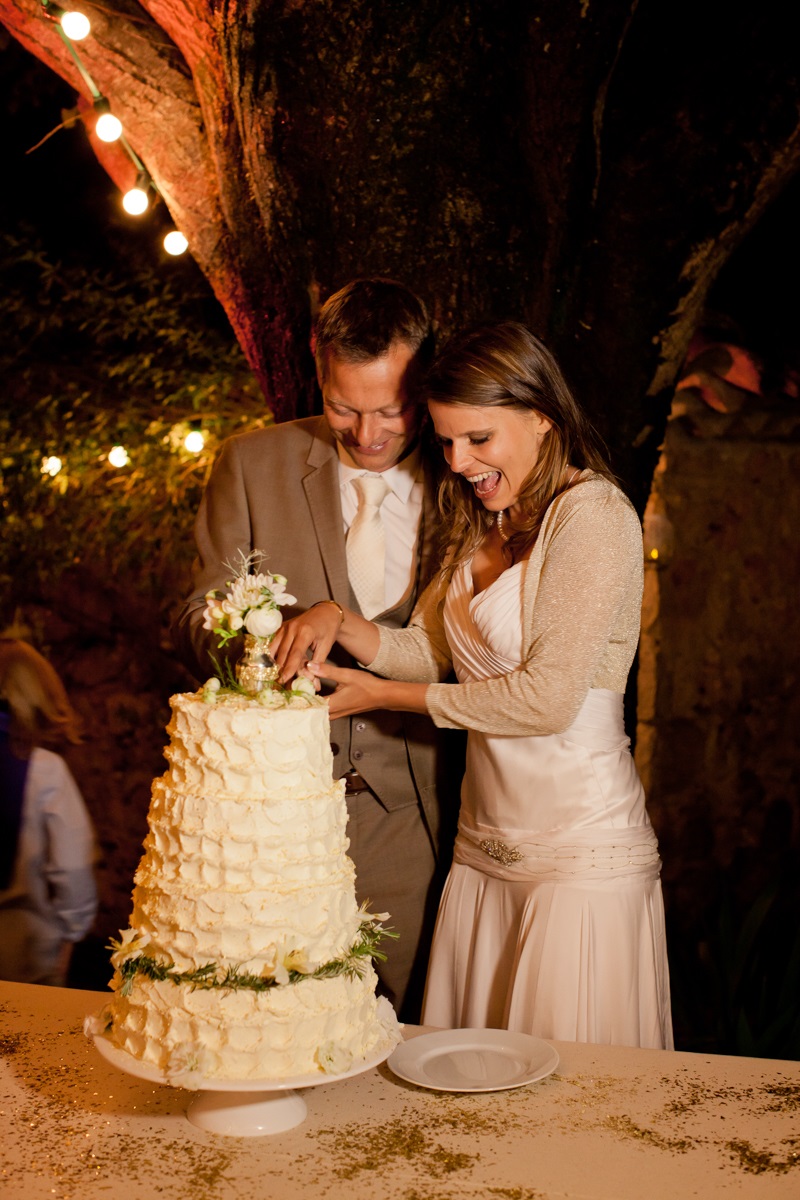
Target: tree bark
x=588, y=168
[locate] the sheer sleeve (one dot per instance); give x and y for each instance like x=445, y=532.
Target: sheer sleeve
x=581, y=612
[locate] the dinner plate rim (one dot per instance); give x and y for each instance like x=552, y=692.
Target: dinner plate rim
x=404, y=1057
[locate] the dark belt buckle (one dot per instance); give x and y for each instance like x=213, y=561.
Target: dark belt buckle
x=353, y=782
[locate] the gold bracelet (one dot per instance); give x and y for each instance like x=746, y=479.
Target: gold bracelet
x=338, y=607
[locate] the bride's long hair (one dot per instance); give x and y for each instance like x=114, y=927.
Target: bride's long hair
x=502, y=364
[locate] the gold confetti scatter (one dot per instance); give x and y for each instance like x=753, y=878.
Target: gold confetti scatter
x=756, y=1162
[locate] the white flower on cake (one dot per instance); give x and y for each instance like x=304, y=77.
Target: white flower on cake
x=298, y=960
x=302, y=686
x=387, y=1018
x=253, y=602
x=99, y=1023
x=263, y=622
x=334, y=1059
x=188, y=1066
x=131, y=945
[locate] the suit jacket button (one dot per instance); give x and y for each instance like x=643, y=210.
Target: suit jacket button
x=357, y=754
x=361, y=726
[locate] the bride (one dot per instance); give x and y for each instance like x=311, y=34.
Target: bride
x=551, y=921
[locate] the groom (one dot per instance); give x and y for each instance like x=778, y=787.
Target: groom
x=292, y=491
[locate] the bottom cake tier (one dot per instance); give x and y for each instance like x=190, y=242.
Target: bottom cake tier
x=323, y=1025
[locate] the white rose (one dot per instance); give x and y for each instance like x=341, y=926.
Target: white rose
x=303, y=686
x=263, y=622
x=333, y=1059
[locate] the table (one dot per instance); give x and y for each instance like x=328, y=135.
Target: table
x=610, y=1123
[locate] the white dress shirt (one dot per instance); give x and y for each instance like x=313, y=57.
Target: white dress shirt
x=401, y=512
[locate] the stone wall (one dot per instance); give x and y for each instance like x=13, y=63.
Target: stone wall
x=719, y=666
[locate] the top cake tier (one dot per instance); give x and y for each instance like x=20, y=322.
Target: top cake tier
x=223, y=747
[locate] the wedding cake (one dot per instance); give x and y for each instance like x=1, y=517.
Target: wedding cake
x=247, y=956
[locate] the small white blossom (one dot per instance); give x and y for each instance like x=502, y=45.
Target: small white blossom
x=303, y=686
x=131, y=944
x=298, y=960
x=333, y=1059
x=188, y=1067
x=97, y=1024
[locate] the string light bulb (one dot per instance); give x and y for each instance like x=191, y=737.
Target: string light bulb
x=137, y=199
x=175, y=243
x=194, y=441
x=51, y=465
x=75, y=24
x=118, y=456
x=108, y=127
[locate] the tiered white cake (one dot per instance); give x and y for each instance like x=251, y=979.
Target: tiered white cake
x=247, y=956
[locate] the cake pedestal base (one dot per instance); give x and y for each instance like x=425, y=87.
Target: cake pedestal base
x=247, y=1114
x=242, y=1107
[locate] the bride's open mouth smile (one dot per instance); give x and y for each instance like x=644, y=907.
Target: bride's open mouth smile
x=485, y=484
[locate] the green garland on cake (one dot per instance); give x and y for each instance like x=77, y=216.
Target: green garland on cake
x=352, y=964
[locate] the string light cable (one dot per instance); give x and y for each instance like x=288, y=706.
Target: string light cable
x=73, y=26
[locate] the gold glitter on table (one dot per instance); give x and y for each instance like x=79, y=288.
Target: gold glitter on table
x=612, y=1123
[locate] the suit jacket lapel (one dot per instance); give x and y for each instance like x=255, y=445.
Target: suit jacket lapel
x=321, y=486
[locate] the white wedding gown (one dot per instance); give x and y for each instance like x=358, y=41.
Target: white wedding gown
x=551, y=921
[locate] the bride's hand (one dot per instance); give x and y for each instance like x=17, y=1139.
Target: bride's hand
x=312, y=633
x=356, y=691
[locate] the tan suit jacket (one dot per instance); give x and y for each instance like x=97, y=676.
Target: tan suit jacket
x=277, y=490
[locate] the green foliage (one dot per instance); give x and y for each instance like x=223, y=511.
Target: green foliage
x=90, y=361
x=755, y=968
x=735, y=973
x=352, y=964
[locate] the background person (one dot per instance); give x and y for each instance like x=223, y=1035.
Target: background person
x=294, y=492
x=551, y=920
x=48, y=898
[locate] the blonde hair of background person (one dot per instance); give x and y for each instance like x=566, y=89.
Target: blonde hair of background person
x=48, y=898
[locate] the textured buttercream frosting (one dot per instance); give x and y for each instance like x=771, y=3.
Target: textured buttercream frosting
x=245, y=869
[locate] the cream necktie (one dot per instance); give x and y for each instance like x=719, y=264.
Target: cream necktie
x=366, y=545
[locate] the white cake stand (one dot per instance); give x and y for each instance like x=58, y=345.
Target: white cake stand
x=245, y=1107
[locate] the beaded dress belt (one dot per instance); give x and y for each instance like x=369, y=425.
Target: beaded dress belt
x=604, y=854
x=353, y=782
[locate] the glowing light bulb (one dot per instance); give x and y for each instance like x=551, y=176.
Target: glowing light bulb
x=76, y=26
x=654, y=554
x=194, y=441
x=175, y=243
x=136, y=201
x=108, y=127
x=51, y=466
x=118, y=456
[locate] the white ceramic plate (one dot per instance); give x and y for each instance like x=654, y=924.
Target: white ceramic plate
x=473, y=1060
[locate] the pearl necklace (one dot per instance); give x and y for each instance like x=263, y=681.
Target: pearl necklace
x=499, y=515
x=499, y=522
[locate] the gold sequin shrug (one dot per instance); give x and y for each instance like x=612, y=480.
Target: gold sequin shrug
x=581, y=609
